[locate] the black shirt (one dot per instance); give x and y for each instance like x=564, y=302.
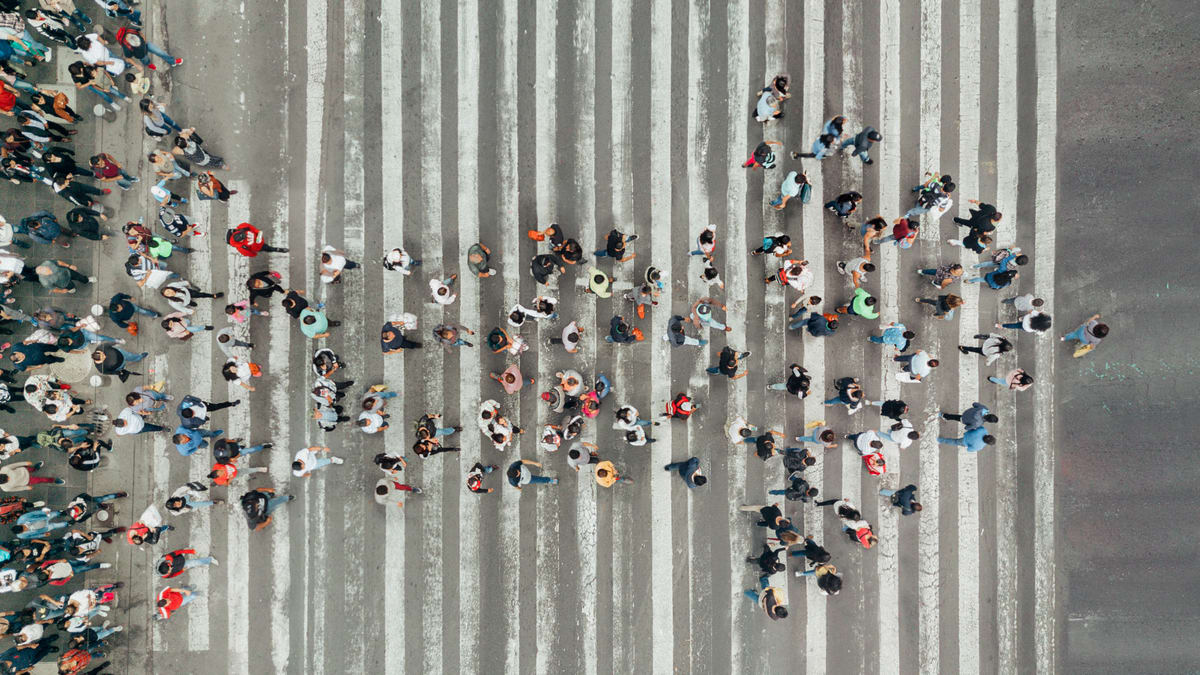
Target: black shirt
x=728, y=363
x=391, y=339
x=113, y=360
x=294, y=303
x=894, y=409
x=765, y=446
x=615, y=247
x=798, y=382
x=794, y=461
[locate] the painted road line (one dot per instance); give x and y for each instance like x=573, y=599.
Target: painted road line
x=661, y=558
x=162, y=477
x=434, y=358
x=622, y=212
x=353, y=533
x=814, y=348
x=968, y=326
x=736, y=286
x=1006, y=467
x=584, y=42
x=889, y=297
x=1046, y=205
x=314, y=223
x=699, y=84
x=200, y=384
x=931, y=149
x=546, y=179
x=506, y=188
x=393, y=301
x=237, y=562
x=468, y=297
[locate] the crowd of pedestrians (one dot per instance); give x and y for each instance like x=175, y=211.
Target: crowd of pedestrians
x=53, y=541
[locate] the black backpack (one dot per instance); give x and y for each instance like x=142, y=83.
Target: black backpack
x=254, y=505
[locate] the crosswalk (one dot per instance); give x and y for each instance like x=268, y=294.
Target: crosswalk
x=434, y=124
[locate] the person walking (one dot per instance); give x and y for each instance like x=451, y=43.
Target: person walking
x=171, y=600
x=992, y=347
x=862, y=304
x=943, y=275
x=762, y=156
x=944, y=305
x=614, y=247
x=829, y=582
x=862, y=142
x=728, y=362
x=844, y=204
x=973, y=440
x=768, y=561
x=917, y=366
x=903, y=499
x=257, y=505
x=982, y=219
x=248, y=240
x=1034, y=321
x=1016, y=380
x=797, y=383
x=60, y=277
x=689, y=472
x=798, y=489
x=333, y=262
x=310, y=459
x=895, y=334
x=511, y=379
x=706, y=242
x=388, y=492
x=476, y=475
x=819, y=433
x=1089, y=335
x=849, y=393
x=172, y=564
x=520, y=474
x=769, y=598
x=794, y=185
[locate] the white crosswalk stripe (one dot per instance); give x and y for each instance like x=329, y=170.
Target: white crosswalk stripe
x=636, y=117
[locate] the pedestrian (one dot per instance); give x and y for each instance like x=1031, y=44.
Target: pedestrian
x=315, y=325
x=689, y=472
x=155, y=120
x=710, y=275
x=614, y=246
x=862, y=304
x=895, y=334
x=917, y=366
x=706, y=242
x=388, y=491
x=520, y=474
x=813, y=552
x=476, y=475
x=478, y=257
x=442, y=290
x=1025, y=303
x=511, y=379
x=862, y=142
x=607, y=476
x=779, y=245
x=982, y=220
x=307, y=460
x=190, y=497
x=702, y=314
x=817, y=324
x=129, y=422
x=819, y=433
x=172, y=564
x=795, y=184
x=844, y=204
x=1089, y=335
x=392, y=339
x=21, y=477
x=797, y=384
x=904, y=233
x=943, y=275
x=798, y=489
x=772, y=517
x=190, y=146
x=60, y=277
x=762, y=156
x=997, y=280
x=248, y=240
x=829, y=582
x=849, y=393
x=764, y=443
x=1034, y=321
x=769, y=106
x=769, y=598
x=450, y=335
x=572, y=333
x=181, y=294
x=83, y=222
x=173, y=599
x=973, y=440
x=677, y=337
x=242, y=310
x=944, y=305
x=972, y=242
x=240, y=370
x=257, y=505
x=1016, y=380
x=872, y=230
x=135, y=46
x=973, y=417
x=728, y=362
x=543, y=266
x=112, y=360
x=892, y=408
x=768, y=561
x=993, y=346
x=208, y=186
x=332, y=263
x=399, y=259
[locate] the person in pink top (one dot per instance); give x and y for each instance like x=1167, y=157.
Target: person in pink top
x=511, y=379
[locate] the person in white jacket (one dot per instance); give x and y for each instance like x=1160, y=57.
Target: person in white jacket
x=993, y=346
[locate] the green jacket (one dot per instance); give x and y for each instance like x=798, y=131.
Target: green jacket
x=860, y=306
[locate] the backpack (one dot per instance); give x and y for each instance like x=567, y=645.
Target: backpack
x=254, y=506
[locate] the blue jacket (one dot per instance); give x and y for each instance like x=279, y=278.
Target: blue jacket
x=688, y=470
x=974, y=439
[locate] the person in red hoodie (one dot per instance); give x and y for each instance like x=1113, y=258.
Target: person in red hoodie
x=173, y=599
x=248, y=240
x=172, y=564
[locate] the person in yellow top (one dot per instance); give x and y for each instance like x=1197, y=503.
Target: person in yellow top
x=770, y=599
x=606, y=474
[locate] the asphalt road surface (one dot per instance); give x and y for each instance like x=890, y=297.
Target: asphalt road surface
x=434, y=124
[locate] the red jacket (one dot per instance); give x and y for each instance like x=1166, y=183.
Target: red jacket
x=174, y=601
x=175, y=560
x=246, y=238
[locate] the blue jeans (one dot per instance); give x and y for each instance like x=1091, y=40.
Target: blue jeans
x=1076, y=334
x=777, y=492
x=904, y=358
x=96, y=337
x=811, y=438
x=198, y=504
x=886, y=493
x=534, y=480
x=197, y=562
x=952, y=441
x=320, y=463
x=253, y=449
x=130, y=357
x=832, y=401
x=1014, y=325
x=444, y=431
x=995, y=380
x=713, y=371
x=275, y=502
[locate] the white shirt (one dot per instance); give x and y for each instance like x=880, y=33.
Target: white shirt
x=734, y=431
x=900, y=437
x=583, y=458
x=337, y=262
x=765, y=107
x=863, y=442
x=375, y=421
x=133, y=422
x=631, y=414
x=436, y=285
x=790, y=186
x=306, y=457
x=392, y=496
x=97, y=52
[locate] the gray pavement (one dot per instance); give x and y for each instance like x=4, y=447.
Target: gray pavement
x=435, y=124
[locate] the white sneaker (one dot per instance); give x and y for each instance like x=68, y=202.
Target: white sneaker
x=115, y=106
x=798, y=573
x=120, y=341
x=105, y=566
x=336, y=460
x=91, y=280
x=215, y=562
